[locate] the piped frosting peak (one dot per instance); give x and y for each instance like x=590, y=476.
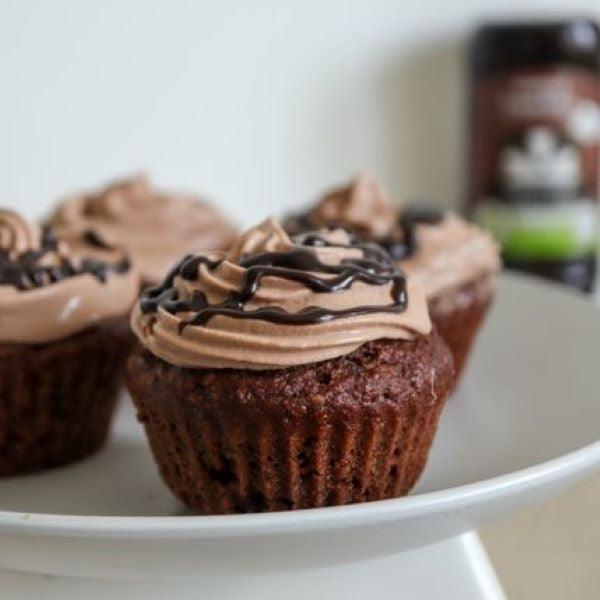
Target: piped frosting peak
x=363, y=205
x=275, y=302
x=269, y=236
x=17, y=235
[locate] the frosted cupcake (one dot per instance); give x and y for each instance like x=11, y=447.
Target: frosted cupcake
x=63, y=339
x=156, y=228
x=456, y=261
x=288, y=374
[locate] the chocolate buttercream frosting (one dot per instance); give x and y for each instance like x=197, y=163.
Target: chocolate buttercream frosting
x=156, y=228
x=274, y=302
x=439, y=249
x=364, y=206
x=51, y=288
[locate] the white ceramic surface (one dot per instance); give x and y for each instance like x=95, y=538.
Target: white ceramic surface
x=525, y=423
x=455, y=569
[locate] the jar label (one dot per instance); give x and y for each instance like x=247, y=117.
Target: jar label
x=536, y=149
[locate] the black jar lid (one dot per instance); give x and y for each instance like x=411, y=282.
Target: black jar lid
x=504, y=46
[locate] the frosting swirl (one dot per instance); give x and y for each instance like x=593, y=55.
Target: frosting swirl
x=451, y=254
x=155, y=228
x=272, y=302
x=442, y=251
x=17, y=235
x=363, y=206
x=49, y=289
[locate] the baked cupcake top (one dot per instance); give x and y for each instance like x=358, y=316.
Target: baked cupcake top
x=272, y=302
x=156, y=228
x=439, y=249
x=51, y=288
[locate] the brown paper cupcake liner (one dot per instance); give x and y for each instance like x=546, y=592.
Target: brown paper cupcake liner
x=221, y=452
x=459, y=317
x=57, y=399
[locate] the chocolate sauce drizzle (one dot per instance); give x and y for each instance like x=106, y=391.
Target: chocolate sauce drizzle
x=400, y=245
x=405, y=244
x=300, y=264
x=25, y=272
x=95, y=239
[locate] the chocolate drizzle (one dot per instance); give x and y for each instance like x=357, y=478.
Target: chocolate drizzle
x=401, y=244
x=405, y=244
x=95, y=239
x=26, y=271
x=300, y=264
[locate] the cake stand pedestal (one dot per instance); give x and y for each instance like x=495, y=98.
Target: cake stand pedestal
x=456, y=568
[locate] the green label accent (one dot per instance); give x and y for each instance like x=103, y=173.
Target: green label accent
x=556, y=232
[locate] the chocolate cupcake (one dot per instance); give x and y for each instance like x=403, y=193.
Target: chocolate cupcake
x=63, y=341
x=288, y=374
x=456, y=261
x=156, y=228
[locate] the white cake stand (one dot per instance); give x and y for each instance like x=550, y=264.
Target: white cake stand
x=524, y=424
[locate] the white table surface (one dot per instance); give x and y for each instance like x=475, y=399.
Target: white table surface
x=551, y=550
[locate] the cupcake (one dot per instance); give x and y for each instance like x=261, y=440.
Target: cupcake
x=63, y=340
x=456, y=261
x=155, y=228
x=287, y=374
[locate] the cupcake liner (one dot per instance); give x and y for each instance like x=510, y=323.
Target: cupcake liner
x=224, y=455
x=57, y=400
x=458, y=316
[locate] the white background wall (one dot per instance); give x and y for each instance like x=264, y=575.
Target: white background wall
x=259, y=104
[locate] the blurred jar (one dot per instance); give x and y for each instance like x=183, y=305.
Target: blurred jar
x=535, y=145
